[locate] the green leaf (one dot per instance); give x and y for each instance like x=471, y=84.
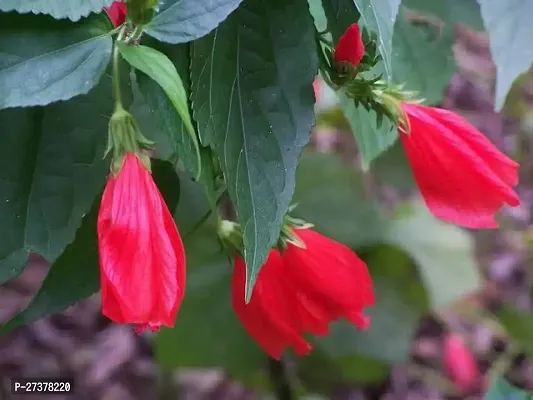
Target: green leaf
x=75, y=275
x=371, y=140
x=45, y=60
x=400, y=300
x=51, y=168
x=164, y=115
x=321, y=373
x=180, y=21
x=423, y=58
x=317, y=12
x=330, y=195
x=444, y=254
x=253, y=102
x=207, y=305
x=450, y=11
x=161, y=69
x=340, y=14
x=72, y=278
x=393, y=169
x=379, y=16
x=510, y=31
x=72, y=9
x=500, y=389
x=518, y=324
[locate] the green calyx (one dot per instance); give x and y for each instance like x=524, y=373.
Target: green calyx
x=124, y=136
x=230, y=235
x=288, y=235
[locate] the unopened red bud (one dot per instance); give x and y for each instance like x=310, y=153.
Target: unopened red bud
x=350, y=48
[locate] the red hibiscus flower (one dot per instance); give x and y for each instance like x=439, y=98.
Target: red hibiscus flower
x=463, y=177
x=460, y=363
x=302, y=290
x=142, y=260
x=350, y=48
x=116, y=12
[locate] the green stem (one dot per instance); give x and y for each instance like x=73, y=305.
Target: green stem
x=280, y=381
x=116, y=71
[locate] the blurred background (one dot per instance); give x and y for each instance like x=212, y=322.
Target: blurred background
x=455, y=308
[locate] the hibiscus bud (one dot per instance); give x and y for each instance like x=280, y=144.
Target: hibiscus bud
x=350, y=48
x=116, y=12
x=460, y=363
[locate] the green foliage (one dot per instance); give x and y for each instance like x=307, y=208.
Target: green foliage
x=510, y=31
x=330, y=195
x=161, y=69
x=518, y=324
x=45, y=60
x=444, y=255
x=371, y=139
x=72, y=9
x=180, y=21
x=207, y=305
x=74, y=276
x=423, y=58
x=500, y=389
x=51, y=169
x=340, y=15
x=253, y=102
x=379, y=16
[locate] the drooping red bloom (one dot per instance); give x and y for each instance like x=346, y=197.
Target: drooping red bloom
x=302, y=290
x=350, y=48
x=463, y=177
x=116, y=12
x=460, y=363
x=142, y=259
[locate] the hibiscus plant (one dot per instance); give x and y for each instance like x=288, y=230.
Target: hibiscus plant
x=154, y=152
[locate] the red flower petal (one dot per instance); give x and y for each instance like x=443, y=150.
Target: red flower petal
x=116, y=12
x=142, y=260
x=350, y=48
x=302, y=291
x=460, y=363
x=333, y=282
x=463, y=177
x=269, y=317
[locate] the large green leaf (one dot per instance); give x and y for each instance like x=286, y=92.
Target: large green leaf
x=160, y=68
x=253, y=102
x=443, y=252
x=72, y=9
x=43, y=60
x=330, y=195
x=519, y=325
x=423, y=58
x=510, y=32
x=168, y=120
x=207, y=305
x=500, y=389
x=51, y=169
x=400, y=300
x=180, y=21
x=379, y=16
x=371, y=140
x=75, y=275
